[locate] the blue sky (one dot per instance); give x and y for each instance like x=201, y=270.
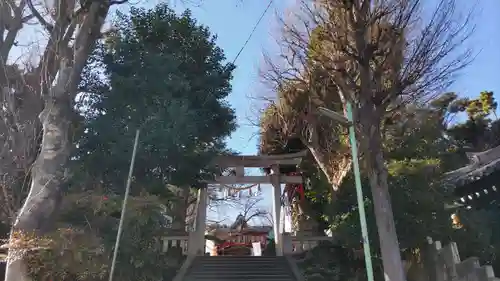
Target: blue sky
x=482, y=74
x=233, y=20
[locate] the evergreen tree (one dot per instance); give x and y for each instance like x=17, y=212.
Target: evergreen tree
x=166, y=76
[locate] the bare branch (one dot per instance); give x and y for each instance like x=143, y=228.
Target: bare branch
x=117, y=2
x=11, y=20
x=39, y=17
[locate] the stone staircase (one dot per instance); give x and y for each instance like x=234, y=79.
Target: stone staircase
x=239, y=268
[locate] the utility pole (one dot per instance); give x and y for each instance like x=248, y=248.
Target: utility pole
x=348, y=122
x=124, y=206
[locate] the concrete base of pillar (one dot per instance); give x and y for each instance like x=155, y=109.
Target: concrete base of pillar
x=287, y=244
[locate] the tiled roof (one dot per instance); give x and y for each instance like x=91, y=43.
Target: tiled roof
x=482, y=164
x=248, y=229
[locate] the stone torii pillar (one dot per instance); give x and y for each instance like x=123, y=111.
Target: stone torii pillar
x=197, y=237
x=276, y=182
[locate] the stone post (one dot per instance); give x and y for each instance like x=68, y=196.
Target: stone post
x=444, y=264
x=276, y=182
x=431, y=264
x=197, y=237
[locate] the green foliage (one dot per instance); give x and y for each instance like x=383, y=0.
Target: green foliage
x=332, y=262
x=270, y=249
x=81, y=249
x=480, y=235
x=417, y=156
x=318, y=194
x=478, y=132
x=166, y=76
x=481, y=107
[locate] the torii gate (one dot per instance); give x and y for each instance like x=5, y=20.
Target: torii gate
x=239, y=163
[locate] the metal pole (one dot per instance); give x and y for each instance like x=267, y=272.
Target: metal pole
x=124, y=205
x=359, y=193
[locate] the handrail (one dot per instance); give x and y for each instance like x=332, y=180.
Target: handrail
x=184, y=268
x=294, y=268
x=313, y=238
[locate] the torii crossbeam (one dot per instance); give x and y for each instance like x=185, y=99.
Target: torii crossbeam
x=240, y=162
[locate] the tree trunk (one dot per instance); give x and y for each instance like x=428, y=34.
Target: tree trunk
x=50, y=170
x=377, y=172
x=49, y=174
x=335, y=164
x=389, y=245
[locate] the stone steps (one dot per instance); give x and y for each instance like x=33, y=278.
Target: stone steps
x=239, y=268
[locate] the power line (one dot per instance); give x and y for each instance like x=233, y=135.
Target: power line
x=253, y=30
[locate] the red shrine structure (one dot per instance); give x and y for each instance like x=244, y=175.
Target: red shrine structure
x=294, y=190
x=234, y=242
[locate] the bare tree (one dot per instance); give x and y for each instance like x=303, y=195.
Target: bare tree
x=379, y=56
x=21, y=104
x=20, y=137
x=249, y=207
x=50, y=87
